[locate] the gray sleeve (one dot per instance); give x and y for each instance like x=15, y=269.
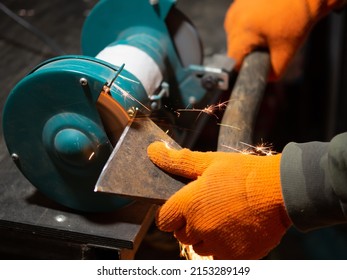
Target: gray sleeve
x=314, y=182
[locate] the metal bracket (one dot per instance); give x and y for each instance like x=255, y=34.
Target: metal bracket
x=215, y=76
x=156, y=98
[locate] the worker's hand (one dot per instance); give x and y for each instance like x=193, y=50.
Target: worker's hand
x=232, y=210
x=280, y=26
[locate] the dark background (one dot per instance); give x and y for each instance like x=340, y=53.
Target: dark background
x=308, y=104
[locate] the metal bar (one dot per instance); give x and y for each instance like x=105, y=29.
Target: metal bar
x=240, y=115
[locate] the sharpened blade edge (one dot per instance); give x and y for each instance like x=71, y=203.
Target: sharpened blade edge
x=98, y=186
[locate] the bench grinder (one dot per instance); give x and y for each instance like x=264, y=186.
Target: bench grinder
x=63, y=119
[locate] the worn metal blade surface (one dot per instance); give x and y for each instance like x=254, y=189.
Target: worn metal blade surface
x=130, y=173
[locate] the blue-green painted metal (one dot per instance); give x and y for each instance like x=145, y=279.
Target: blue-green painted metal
x=50, y=120
x=140, y=24
x=102, y=71
x=110, y=20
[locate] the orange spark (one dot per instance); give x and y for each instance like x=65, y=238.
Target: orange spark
x=260, y=150
x=209, y=109
x=91, y=155
x=222, y=105
x=127, y=95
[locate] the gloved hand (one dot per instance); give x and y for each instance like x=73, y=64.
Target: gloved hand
x=280, y=26
x=234, y=207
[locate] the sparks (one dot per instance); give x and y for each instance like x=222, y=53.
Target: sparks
x=127, y=95
x=260, y=150
x=91, y=155
x=209, y=109
x=167, y=144
x=188, y=252
x=222, y=105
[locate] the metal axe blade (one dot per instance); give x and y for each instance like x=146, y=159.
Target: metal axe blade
x=130, y=173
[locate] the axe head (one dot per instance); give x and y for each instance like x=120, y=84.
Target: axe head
x=130, y=173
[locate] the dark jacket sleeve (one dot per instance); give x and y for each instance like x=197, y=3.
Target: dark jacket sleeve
x=314, y=182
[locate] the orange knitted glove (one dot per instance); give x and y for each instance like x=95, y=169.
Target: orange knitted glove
x=234, y=208
x=281, y=26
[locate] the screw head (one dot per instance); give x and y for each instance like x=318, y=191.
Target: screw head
x=60, y=218
x=209, y=82
x=83, y=82
x=131, y=112
x=15, y=157
x=154, y=105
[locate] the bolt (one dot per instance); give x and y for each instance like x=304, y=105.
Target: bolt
x=83, y=82
x=60, y=218
x=131, y=112
x=154, y=105
x=209, y=82
x=15, y=157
